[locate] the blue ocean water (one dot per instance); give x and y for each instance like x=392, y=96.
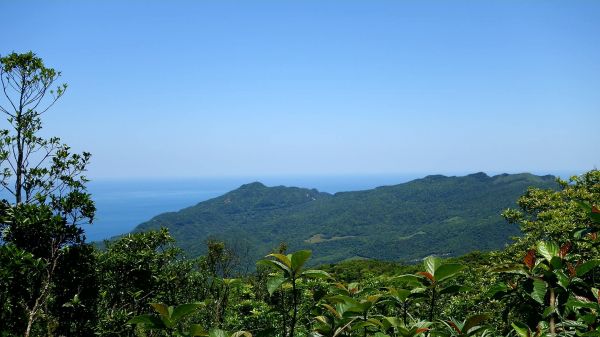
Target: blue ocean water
x=123, y=204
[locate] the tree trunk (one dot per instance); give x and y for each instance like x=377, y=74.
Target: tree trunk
x=295, y=308
x=19, y=164
x=431, y=310
x=553, y=315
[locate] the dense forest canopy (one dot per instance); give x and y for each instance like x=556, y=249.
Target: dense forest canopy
x=401, y=222
x=54, y=283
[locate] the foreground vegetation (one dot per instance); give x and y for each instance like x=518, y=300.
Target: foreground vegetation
x=53, y=283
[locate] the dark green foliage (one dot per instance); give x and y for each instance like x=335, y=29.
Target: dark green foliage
x=134, y=271
x=75, y=298
x=19, y=272
x=402, y=222
x=54, y=281
x=361, y=270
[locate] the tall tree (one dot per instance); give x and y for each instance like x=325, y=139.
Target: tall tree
x=35, y=169
x=46, y=181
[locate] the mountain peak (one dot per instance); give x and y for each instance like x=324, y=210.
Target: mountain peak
x=253, y=185
x=479, y=175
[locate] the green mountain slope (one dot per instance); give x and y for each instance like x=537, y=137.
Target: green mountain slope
x=439, y=215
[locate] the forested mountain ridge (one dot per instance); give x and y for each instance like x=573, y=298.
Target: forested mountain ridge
x=446, y=216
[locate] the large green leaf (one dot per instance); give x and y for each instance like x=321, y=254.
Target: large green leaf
x=521, y=329
x=184, y=310
x=408, y=280
x=563, y=279
x=391, y=322
x=539, y=291
x=162, y=309
x=473, y=321
x=548, y=249
x=315, y=273
x=399, y=294
x=299, y=258
x=283, y=259
x=148, y=322
x=584, y=268
x=499, y=287
x=274, y=283
x=446, y=271
x=431, y=263
x=276, y=264
x=581, y=302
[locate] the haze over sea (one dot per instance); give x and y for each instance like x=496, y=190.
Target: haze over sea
x=123, y=204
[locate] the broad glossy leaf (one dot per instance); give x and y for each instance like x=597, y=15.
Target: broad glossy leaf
x=548, y=311
x=332, y=310
x=539, y=291
x=391, y=322
x=548, y=249
x=409, y=280
x=366, y=324
x=563, y=279
x=431, y=263
x=447, y=270
x=473, y=321
x=581, y=303
x=283, y=259
x=299, y=258
x=399, y=294
x=584, y=268
x=162, y=309
x=521, y=329
x=315, y=273
x=556, y=262
x=499, y=287
x=323, y=320
x=184, y=310
x=274, y=283
x=276, y=264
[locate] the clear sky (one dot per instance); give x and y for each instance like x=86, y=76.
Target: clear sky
x=210, y=88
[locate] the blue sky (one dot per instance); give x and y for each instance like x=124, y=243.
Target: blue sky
x=219, y=88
